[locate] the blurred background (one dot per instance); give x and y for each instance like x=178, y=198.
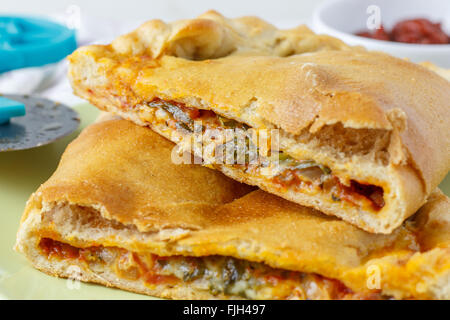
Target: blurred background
x=130, y=10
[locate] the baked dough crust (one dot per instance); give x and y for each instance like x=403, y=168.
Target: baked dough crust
x=142, y=202
x=246, y=69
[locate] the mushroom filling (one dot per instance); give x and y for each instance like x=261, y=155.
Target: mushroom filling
x=217, y=275
x=285, y=171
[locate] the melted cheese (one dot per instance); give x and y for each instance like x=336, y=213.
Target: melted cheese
x=218, y=275
x=284, y=173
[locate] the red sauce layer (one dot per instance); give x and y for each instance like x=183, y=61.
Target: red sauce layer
x=288, y=178
x=421, y=31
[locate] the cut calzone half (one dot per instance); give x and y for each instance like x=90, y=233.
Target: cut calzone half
x=118, y=212
x=359, y=135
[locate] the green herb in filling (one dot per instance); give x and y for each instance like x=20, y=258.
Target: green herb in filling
x=335, y=198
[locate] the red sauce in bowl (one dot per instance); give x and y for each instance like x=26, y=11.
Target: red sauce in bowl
x=421, y=31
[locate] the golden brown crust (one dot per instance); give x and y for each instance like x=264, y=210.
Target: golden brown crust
x=129, y=186
x=116, y=181
x=212, y=36
x=444, y=73
x=348, y=88
x=292, y=92
x=250, y=71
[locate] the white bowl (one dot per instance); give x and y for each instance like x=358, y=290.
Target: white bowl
x=343, y=18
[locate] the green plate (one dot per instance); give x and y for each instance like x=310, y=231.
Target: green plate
x=21, y=173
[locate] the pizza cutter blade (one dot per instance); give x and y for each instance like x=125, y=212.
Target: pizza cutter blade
x=27, y=122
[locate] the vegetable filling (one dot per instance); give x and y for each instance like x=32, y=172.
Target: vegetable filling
x=287, y=172
x=217, y=275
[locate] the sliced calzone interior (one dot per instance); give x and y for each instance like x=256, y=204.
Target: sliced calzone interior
x=118, y=212
x=362, y=135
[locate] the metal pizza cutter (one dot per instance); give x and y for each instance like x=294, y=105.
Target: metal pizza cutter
x=28, y=122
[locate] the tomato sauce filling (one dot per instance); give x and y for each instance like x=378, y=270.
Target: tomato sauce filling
x=182, y=117
x=353, y=193
x=217, y=274
x=371, y=192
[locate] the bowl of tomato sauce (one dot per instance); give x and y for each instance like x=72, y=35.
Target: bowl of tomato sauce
x=415, y=29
